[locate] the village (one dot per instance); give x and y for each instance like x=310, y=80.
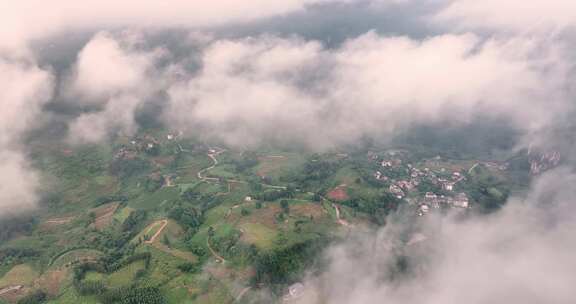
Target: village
x=409, y=184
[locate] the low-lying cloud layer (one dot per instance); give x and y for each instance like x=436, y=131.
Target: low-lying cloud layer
x=115, y=78
x=522, y=254
x=245, y=91
x=291, y=90
x=24, y=89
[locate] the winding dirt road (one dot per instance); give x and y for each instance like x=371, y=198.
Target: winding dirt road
x=340, y=220
x=242, y=293
x=214, y=164
x=153, y=238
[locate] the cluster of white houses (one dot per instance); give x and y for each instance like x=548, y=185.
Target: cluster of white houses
x=435, y=201
x=401, y=187
x=430, y=201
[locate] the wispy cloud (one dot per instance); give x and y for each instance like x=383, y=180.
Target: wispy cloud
x=24, y=89
x=522, y=254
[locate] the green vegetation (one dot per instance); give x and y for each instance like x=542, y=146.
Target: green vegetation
x=36, y=297
x=130, y=222
x=22, y=274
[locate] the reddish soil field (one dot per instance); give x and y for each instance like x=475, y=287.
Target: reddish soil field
x=14, y=296
x=104, y=215
x=338, y=194
x=52, y=281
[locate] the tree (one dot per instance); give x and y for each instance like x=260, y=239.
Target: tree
x=249, y=159
x=285, y=206
x=153, y=183
x=317, y=197
x=36, y=297
x=189, y=267
x=186, y=216
x=166, y=240
x=285, y=265
x=280, y=217
x=190, y=195
x=134, y=220
x=12, y=226
x=125, y=168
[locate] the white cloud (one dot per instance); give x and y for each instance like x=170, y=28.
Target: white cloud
x=24, y=89
x=19, y=183
x=290, y=90
x=25, y=20
x=515, y=15
x=522, y=254
x=246, y=91
x=105, y=68
x=117, y=116
x=112, y=73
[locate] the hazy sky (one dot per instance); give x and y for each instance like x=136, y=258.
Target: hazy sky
x=319, y=74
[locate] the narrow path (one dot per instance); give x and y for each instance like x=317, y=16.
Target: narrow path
x=10, y=289
x=472, y=168
x=60, y=221
x=274, y=156
x=153, y=238
x=242, y=293
x=263, y=184
x=340, y=220
x=216, y=255
x=214, y=163
x=230, y=210
x=274, y=187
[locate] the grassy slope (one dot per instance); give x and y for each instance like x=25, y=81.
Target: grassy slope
x=260, y=227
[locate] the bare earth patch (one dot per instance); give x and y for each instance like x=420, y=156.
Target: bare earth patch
x=17, y=282
x=12, y=294
x=338, y=194
x=308, y=209
x=55, y=222
x=51, y=281
x=104, y=215
x=265, y=216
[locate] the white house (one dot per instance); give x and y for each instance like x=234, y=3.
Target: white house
x=461, y=201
